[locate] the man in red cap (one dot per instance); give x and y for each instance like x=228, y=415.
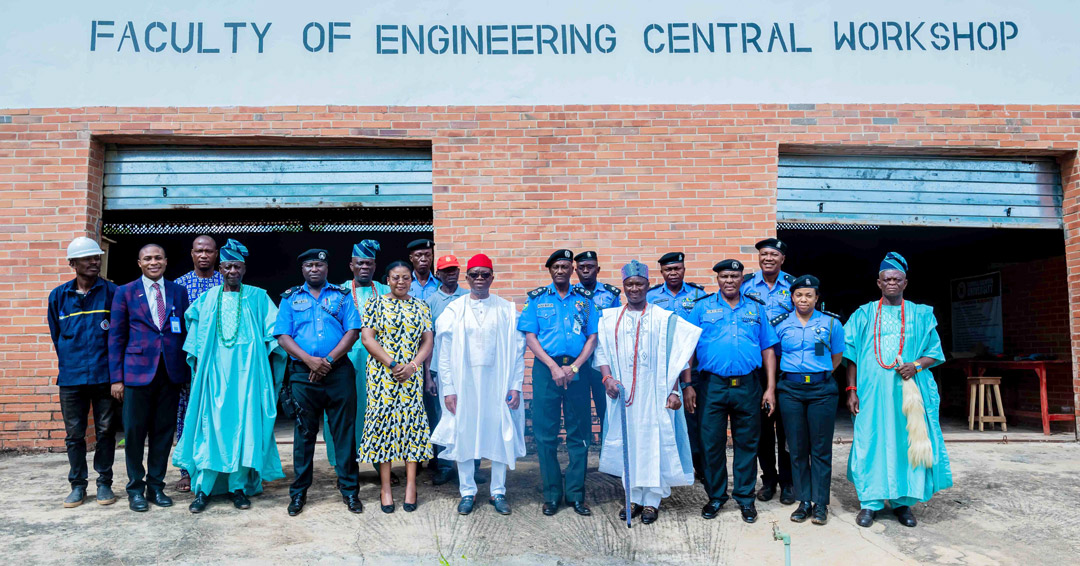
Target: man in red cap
x=481, y=368
x=448, y=271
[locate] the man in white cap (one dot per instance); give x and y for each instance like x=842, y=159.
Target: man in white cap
x=78, y=318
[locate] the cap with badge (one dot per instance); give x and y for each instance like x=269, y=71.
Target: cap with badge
x=585, y=256
x=772, y=243
x=805, y=282
x=421, y=244
x=446, y=261
x=559, y=255
x=671, y=257
x=314, y=254
x=728, y=265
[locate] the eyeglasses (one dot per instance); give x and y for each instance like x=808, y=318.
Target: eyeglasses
x=480, y=275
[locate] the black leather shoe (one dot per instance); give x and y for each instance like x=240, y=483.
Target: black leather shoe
x=865, y=518
x=786, y=496
x=465, y=506
x=239, y=500
x=749, y=513
x=710, y=510
x=820, y=515
x=802, y=512
x=158, y=497
x=353, y=503
x=502, y=506
x=635, y=510
x=551, y=508
x=904, y=516
x=581, y=508
x=442, y=476
x=138, y=503
x=296, y=505
x=199, y=504
x=766, y=492
x=649, y=515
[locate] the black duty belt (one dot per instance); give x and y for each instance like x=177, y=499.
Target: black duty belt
x=729, y=380
x=806, y=378
x=564, y=360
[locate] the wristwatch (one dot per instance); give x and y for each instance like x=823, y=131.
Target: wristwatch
x=329, y=359
x=573, y=368
x=685, y=384
x=392, y=364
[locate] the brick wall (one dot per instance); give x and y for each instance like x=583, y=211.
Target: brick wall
x=515, y=182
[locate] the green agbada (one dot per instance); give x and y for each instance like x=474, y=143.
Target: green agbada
x=228, y=441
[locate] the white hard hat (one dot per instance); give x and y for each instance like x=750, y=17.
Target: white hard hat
x=83, y=247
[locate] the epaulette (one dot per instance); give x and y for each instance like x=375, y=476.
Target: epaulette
x=754, y=298
x=657, y=286
x=613, y=289
x=747, y=276
x=537, y=292
x=288, y=292
x=694, y=285
x=832, y=314
x=336, y=287
x=789, y=278
x=584, y=292
x=779, y=318
x=704, y=297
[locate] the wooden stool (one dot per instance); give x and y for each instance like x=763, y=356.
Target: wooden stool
x=986, y=408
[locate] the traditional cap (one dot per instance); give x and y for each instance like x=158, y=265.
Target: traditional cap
x=366, y=249
x=480, y=260
x=671, y=257
x=83, y=247
x=635, y=269
x=232, y=251
x=728, y=265
x=893, y=260
x=421, y=244
x=805, y=282
x=314, y=254
x=446, y=261
x=772, y=243
x=584, y=256
x=559, y=254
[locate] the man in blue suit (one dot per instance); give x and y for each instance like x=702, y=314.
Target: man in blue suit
x=147, y=368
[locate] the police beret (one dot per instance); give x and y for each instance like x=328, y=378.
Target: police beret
x=728, y=265
x=772, y=243
x=671, y=257
x=313, y=255
x=421, y=244
x=583, y=256
x=559, y=254
x=805, y=282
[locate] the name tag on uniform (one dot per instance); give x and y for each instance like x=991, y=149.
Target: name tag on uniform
x=174, y=324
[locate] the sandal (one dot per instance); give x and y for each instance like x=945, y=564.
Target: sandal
x=183, y=485
x=635, y=510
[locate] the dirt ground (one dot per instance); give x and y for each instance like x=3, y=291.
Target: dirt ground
x=1011, y=504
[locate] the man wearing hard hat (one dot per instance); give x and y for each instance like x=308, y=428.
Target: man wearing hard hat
x=79, y=325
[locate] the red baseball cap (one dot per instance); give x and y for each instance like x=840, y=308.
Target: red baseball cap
x=446, y=261
x=480, y=260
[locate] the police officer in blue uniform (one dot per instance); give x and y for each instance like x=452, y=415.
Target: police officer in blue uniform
x=604, y=296
x=559, y=322
x=679, y=296
x=773, y=286
x=317, y=325
x=811, y=346
x=422, y=257
x=735, y=347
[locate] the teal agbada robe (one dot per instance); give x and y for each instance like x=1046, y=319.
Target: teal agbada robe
x=229, y=425
x=358, y=355
x=878, y=463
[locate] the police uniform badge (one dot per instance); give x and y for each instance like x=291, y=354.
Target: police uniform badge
x=104, y=324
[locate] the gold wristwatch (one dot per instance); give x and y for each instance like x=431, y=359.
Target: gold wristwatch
x=573, y=368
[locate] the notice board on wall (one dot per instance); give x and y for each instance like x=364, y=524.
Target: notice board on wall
x=976, y=313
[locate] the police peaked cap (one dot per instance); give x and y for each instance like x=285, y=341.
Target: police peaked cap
x=671, y=257
x=421, y=244
x=805, y=282
x=728, y=265
x=772, y=243
x=584, y=256
x=559, y=254
x=313, y=255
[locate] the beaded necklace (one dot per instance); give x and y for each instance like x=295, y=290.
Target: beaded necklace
x=637, y=336
x=877, y=335
x=229, y=341
x=356, y=300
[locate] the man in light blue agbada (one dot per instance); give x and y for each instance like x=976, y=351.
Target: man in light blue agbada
x=228, y=446
x=890, y=341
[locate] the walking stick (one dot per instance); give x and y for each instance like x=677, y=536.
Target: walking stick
x=625, y=452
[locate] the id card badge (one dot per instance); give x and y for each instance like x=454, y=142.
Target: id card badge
x=577, y=326
x=174, y=324
x=819, y=348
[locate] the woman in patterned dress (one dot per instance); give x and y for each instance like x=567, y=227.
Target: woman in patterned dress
x=397, y=335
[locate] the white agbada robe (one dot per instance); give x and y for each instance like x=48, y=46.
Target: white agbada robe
x=659, y=447
x=481, y=359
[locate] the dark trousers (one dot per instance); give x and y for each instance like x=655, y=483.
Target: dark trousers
x=693, y=429
x=550, y=402
x=599, y=394
x=434, y=412
x=772, y=451
x=149, y=415
x=335, y=395
x=718, y=401
x=809, y=421
x=75, y=405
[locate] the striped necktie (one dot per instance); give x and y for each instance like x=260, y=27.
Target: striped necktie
x=160, y=305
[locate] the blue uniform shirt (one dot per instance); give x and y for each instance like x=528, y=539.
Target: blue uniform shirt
x=681, y=303
x=426, y=290
x=79, y=327
x=316, y=325
x=604, y=296
x=799, y=345
x=561, y=324
x=777, y=300
x=731, y=339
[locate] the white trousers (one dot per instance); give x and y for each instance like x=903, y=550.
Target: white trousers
x=467, y=478
x=648, y=496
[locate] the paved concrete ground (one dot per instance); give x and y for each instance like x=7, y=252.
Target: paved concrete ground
x=1012, y=504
